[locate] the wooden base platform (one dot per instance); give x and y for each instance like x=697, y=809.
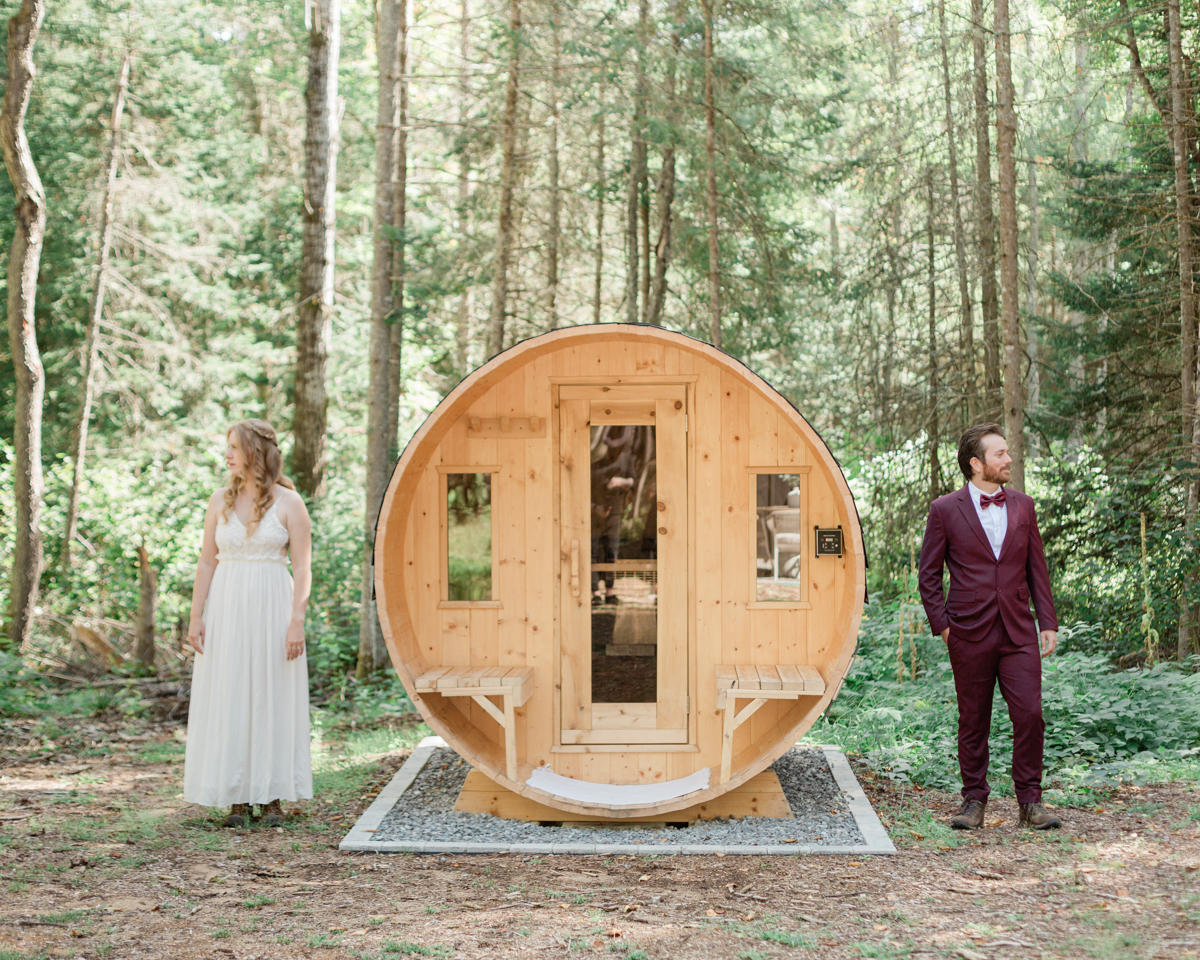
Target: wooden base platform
x=760, y=796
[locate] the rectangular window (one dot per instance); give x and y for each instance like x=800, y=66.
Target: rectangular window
x=780, y=537
x=469, y=536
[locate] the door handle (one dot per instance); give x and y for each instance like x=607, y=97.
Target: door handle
x=574, y=568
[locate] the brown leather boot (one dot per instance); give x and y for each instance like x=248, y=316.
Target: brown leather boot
x=970, y=817
x=239, y=816
x=272, y=814
x=1036, y=816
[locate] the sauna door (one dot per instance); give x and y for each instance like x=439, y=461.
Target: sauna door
x=624, y=536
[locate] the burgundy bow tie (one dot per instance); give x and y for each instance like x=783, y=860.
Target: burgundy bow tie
x=997, y=498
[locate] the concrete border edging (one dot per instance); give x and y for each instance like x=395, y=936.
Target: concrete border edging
x=360, y=839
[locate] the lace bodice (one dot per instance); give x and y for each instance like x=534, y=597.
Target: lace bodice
x=265, y=545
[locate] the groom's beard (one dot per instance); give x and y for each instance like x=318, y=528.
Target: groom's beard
x=997, y=475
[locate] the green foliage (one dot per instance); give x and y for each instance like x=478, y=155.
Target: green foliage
x=405, y=948
x=1102, y=725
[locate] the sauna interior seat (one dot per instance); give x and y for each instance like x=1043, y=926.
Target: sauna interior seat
x=617, y=794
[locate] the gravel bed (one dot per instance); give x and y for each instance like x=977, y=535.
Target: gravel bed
x=425, y=814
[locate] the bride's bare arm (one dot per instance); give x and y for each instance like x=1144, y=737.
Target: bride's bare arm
x=299, y=528
x=205, y=569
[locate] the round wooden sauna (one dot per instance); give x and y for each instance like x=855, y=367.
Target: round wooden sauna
x=618, y=572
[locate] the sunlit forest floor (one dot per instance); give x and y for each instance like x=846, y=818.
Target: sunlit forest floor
x=102, y=858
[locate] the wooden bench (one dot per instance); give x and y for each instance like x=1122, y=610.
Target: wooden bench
x=514, y=685
x=758, y=684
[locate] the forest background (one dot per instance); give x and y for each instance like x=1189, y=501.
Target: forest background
x=325, y=213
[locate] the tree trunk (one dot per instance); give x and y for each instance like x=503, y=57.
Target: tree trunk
x=555, y=198
x=637, y=172
x=508, y=150
x=666, y=184
x=934, y=430
x=1033, y=396
x=1006, y=147
x=1181, y=141
x=399, y=226
x=23, y=258
x=985, y=220
x=314, y=326
x=147, y=597
x=710, y=152
x=371, y=649
x=91, y=339
x=462, y=321
x=601, y=185
x=835, y=253
x=966, y=342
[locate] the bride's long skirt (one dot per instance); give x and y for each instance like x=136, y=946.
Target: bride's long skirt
x=247, y=738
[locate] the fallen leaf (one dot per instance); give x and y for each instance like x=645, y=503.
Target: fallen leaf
x=614, y=932
x=565, y=906
x=1122, y=892
x=643, y=878
x=748, y=916
x=730, y=887
x=879, y=926
x=597, y=944
x=710, y=912
x=828, y=943
x=76, y=933
x=357, y=933
x=791, y=841
x=630, y=907
x=378, y=917
x=337, y=929
x=970, y=954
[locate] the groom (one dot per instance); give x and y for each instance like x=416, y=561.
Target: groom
x=988, y=537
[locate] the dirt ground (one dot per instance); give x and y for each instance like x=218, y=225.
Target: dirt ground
x=100, y=857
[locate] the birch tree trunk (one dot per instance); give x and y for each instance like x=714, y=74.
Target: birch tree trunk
x=985, y=220
x=1033, y=396
x=1181, y=142
x=91, y=339
x=24, y=256
x=462, y=320
x=710, y=152
x=966, y=340
x=399, y=226
x=934, y=428
x=371, y=649
x=1006, y=147
x=601, y=185
x=637, y=173
x=508, y=149
x=555, y=198
x=666, y=183
x=314, y=326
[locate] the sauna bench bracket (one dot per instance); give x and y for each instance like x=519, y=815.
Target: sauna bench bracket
x=758, y=684
x=513, y=685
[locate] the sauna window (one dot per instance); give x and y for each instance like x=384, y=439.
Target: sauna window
x=779, y=537
x=624, y=564
x=469, y=536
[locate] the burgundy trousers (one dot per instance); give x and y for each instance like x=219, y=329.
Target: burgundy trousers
x=977, y=666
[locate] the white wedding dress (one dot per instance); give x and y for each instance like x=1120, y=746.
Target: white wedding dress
x=247, y=738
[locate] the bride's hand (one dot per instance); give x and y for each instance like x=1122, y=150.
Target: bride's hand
x=196, y=635
x=295, y=640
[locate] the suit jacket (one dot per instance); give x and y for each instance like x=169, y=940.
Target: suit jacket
x=982, y=587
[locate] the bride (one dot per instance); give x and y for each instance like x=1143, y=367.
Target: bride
x=248, y=740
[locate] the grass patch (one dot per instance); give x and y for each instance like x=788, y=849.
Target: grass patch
x=405, y=948
x=258, y=900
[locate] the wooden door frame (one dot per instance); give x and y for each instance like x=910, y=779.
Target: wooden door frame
x=683, y=740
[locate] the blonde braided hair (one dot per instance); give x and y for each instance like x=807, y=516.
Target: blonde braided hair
x=264, y=463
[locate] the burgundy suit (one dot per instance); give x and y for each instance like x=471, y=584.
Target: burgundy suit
x=993, y=635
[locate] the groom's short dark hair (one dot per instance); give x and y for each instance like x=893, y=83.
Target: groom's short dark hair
x=970, y=445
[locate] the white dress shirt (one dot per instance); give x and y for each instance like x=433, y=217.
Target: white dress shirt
x=994, y=518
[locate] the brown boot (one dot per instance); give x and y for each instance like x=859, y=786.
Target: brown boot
x=970, y=817
x=1036, y=816
x=272, y=815
x=239, y=816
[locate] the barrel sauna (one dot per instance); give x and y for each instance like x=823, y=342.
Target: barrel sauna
x=617, y=572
